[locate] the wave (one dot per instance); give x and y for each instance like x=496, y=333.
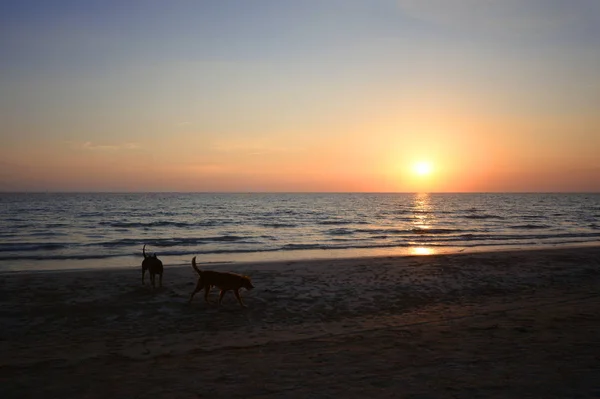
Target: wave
x=394, y=231
x=337, y=222
x=162, y=243
x=529, y=226
x=340, y=232
x=172, y=242
x=278, y=225
x=259, y=243
x=382, y=231
x=533, y=217
x=55, y=225
x=59, y=257
x=46, y=233
x=484, y=216
x=82, y=256
x=450, y=243
x=288, y=247
x=90, y=214
x=513, y=237
x=30, y=246
x=158, y=223
x=435, y=231
x=301, y=246
x=14, y=219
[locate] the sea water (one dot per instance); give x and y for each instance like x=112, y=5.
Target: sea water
x=82, y=230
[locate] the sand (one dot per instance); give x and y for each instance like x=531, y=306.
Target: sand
x=482, y=325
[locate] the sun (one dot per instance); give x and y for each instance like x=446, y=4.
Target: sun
x=422, y=168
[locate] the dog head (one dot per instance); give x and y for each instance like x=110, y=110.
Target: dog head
x=246, y=283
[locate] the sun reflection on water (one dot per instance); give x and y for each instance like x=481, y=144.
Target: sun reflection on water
x=422, y=211
x=423, y=218
x=421, y=251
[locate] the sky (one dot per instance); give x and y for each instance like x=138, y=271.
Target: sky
x=300, y=96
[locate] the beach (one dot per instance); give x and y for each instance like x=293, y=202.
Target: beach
x=490, y=324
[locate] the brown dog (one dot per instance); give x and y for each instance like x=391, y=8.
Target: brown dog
x=154, y=267
x=223, y=280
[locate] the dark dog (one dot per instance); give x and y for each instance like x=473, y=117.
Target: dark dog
x=222, y=280
x=154, y=267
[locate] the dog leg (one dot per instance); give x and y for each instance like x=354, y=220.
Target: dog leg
x=160, y=280
x=206, y=292
x=221, y=294
x=196, y=290
x=239, y=298
x=143, y=275
x=153, y=279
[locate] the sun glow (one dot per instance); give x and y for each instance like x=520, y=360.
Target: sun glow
x=422, y=168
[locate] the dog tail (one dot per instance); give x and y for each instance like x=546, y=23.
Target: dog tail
x=144, y=251
x=196, y=267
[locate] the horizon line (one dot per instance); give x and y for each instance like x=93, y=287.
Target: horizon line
x=294, y=192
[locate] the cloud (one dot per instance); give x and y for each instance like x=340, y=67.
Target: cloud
x=251, y=148
x=89, y=146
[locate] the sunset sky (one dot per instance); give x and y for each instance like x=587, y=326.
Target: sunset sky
x=311, y=95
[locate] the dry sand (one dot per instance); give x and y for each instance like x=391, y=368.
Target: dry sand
x=482, y=325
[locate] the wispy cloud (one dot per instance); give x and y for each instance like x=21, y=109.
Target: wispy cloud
x=90, y=146
x=252, y=148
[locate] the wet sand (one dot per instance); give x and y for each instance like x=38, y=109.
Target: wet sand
x=490, y=325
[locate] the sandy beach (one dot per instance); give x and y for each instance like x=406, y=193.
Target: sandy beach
x=489, y=325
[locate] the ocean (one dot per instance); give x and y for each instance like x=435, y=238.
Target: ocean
x=44, y=231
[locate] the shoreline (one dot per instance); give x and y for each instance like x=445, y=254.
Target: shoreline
x=287, y=256
x=486, y=324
